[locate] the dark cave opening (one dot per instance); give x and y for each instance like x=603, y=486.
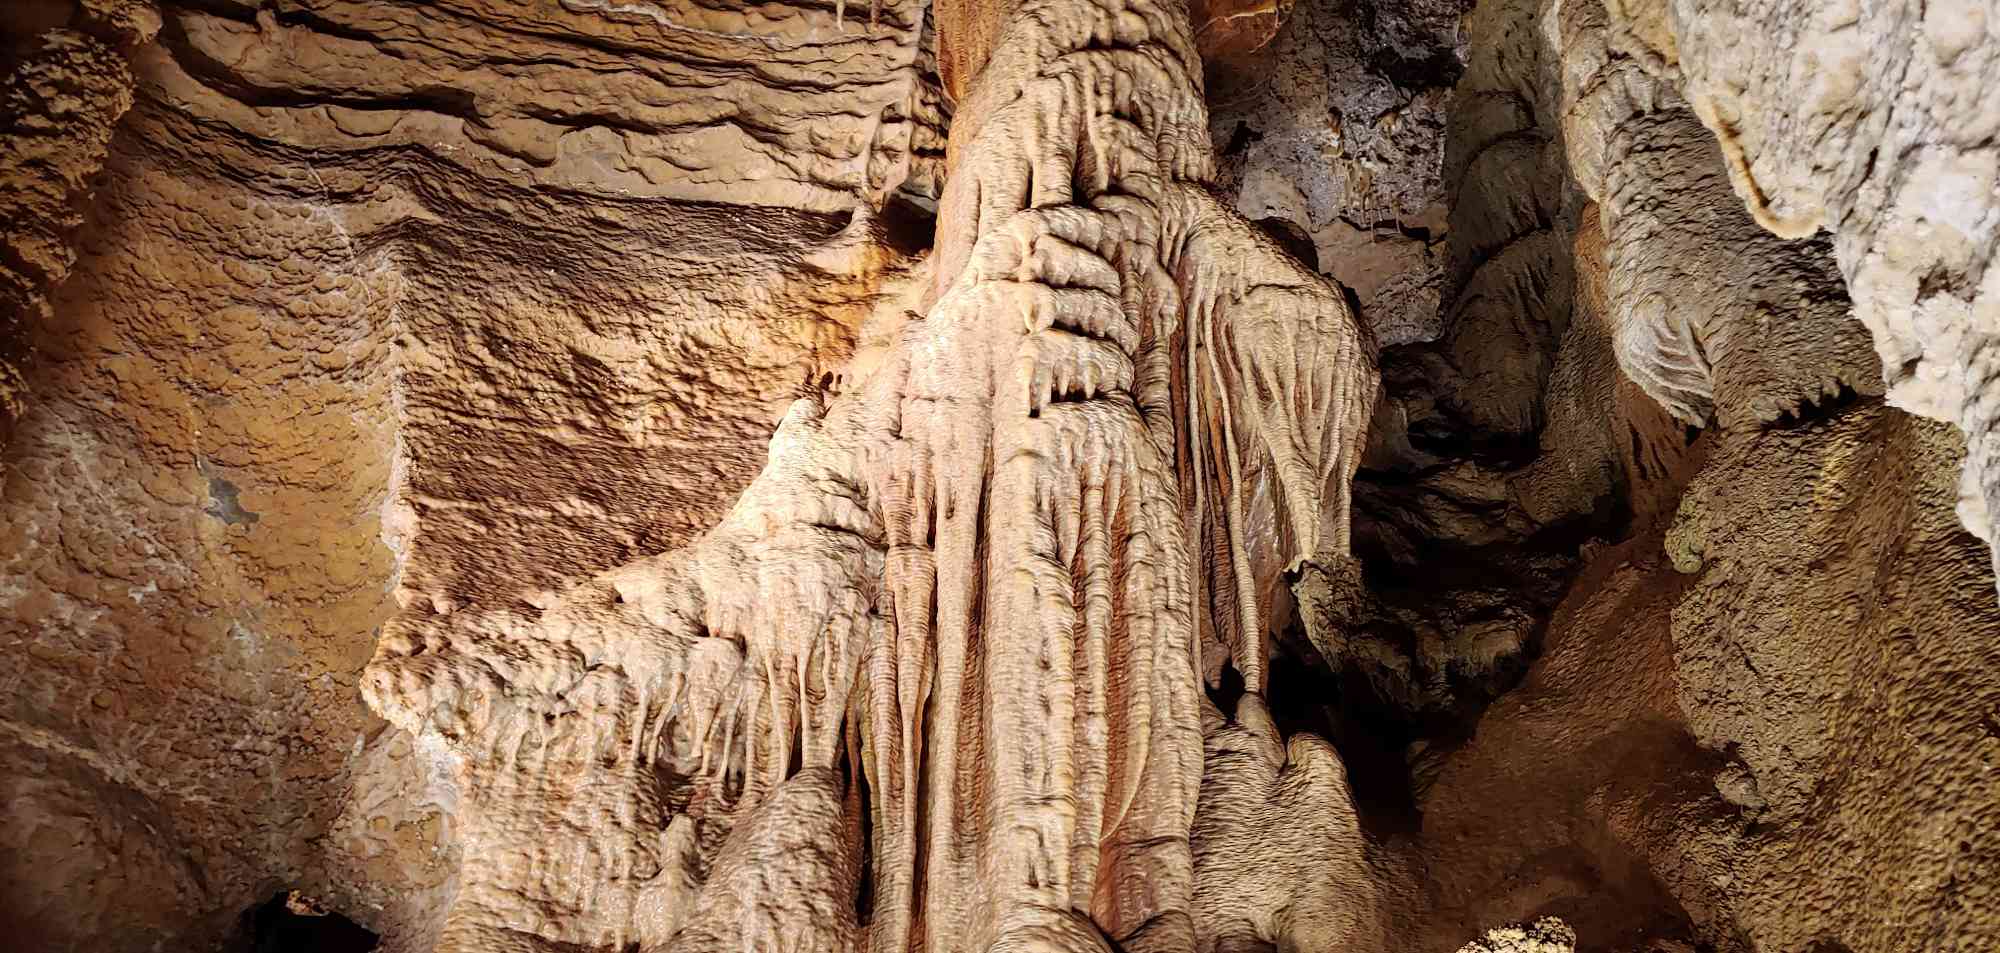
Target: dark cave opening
x=291, y=922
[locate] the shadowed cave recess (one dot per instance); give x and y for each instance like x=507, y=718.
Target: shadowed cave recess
x=1004, y=476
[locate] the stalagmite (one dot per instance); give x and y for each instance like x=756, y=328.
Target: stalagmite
x=974, y=595
x=1271, y=811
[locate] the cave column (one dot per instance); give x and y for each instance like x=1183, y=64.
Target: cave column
x=1067, y=731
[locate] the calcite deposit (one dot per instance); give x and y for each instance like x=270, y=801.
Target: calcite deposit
x=975, y=571
x=1056, y=476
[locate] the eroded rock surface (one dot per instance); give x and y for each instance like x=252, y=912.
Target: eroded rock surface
x=1711, y=313
x=1115, y=375
x=815, y=476
x=1547, y=935
x=329, y=348
x=68, y=86
x=1866, y=123
x=1336, y=128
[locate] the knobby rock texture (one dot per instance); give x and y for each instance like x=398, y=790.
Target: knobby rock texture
x=975, y=572
x=999, y=475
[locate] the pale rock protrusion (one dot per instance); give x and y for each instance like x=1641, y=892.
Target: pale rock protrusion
x=1715, y=318
x=1546, y=935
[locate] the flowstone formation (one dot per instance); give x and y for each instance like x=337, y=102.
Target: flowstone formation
x=1869, y=124
x=1713, y=315
x=1332, y=476
x=936, y=681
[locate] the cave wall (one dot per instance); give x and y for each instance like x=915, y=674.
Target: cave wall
x=382, y=306
x=323, y=312
x=1868, y=124
x=194, y=560
x=1690, y=732
x=1744, y=719
x=1757, y=719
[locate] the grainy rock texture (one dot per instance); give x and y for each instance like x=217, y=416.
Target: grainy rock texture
x=68, y=87
x=1267, y=804
x=1336, y=128
x=1000, y=475
x=1869, y=122
x=1547, y=935
x=341, y=338
x=1724, y=719
x=1711, y=313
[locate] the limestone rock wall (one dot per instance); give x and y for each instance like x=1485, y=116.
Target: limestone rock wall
x=69, y=83
x=193, y=564
x=691, y=475
x=341, y=338
x=1335, y=127
x=1868, y=123
x=1712, y=314
x=1727, y=718
x=1714, y=734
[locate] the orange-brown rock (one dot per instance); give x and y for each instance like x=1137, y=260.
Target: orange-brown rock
x=318, y=358
x=1009, y=475
x=69, y=85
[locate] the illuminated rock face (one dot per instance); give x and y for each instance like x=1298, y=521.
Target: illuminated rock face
x=1714, y=316
x=806, y=476
x=1865, y=125
x=964, y=598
